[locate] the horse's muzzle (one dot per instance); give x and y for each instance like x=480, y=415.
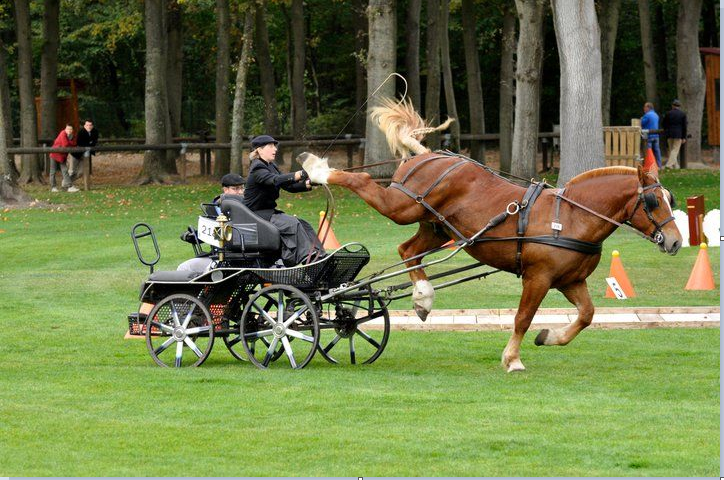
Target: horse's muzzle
x=670, y=245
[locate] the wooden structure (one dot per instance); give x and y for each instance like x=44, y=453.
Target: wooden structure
x=622, y=146
x=67, y=107
x=695, y=211
x=711, y=67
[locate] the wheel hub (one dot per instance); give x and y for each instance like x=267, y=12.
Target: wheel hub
x=179, y=334
x=279, y=330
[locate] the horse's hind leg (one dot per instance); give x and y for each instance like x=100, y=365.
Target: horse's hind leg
x=534, y=290
x=426, y=238
x=578, y=295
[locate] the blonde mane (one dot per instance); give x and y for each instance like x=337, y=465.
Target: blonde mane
x=403, y=127
x=600, y=172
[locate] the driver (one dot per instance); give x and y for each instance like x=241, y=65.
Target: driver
x=299, y=240
x=231, y=184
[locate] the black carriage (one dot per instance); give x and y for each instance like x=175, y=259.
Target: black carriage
x=264, y=313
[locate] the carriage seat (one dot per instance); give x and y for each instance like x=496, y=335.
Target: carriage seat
x=251, y=233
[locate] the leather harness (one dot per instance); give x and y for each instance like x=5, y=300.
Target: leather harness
x=522, y=208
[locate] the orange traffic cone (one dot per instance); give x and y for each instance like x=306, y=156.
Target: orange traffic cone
x=650, y=162
x=701, y=277
x=617, y=271
x=325, y=230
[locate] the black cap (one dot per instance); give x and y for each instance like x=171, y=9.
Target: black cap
x=262, y=140
x=232, y=180
x=676, y=102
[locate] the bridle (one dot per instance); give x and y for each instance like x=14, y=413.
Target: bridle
x=650, y=203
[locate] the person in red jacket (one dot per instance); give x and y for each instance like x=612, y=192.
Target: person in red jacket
x=59, y=160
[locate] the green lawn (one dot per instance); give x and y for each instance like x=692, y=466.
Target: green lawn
x=77, y=399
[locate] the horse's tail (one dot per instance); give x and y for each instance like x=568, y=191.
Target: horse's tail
x=403, y=127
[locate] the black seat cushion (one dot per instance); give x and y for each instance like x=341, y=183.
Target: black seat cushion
x=251, y=233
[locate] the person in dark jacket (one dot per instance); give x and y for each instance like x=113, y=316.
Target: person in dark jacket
x=675, y=130
x=87, y=137
x=299, y=240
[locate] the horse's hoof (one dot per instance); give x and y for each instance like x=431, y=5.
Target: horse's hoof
x=541, y=338
x=317, y=168
x=516, y=366
x=421, y=312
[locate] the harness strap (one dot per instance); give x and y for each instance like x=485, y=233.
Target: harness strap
x=556, y=225
x=421, y=200
x=416, y=167
x=574, y=244
x=529, y=198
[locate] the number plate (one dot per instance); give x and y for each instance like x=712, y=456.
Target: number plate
x=206, y=231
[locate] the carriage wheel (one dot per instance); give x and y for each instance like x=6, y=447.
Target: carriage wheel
x=279, y=321
x=358, y=333
x=236, y=348
x=179, y=332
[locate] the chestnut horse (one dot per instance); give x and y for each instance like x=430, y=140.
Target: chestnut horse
x=453, y=197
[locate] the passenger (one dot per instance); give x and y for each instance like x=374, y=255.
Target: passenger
x=299, y=240
x=231, y=184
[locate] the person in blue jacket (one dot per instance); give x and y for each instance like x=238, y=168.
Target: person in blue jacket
x=265, y=180
x=650, y=121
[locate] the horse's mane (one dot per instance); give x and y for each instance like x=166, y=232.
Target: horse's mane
x=403, y=127
x=600, y=172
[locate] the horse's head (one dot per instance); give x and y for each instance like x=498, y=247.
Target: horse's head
x=653, y=214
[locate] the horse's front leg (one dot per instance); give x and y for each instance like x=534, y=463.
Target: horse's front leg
x=578, y=295
x=425, y=239
x=535, y=288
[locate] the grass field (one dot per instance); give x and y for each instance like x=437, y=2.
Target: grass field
x=76, y=399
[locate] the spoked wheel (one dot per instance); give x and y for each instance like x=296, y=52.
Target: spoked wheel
x=233, y=342
x=358, y=332
x=279, y=320
x=179, y=332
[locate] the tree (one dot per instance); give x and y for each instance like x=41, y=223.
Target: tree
x=266, y=71
x=579, y=47
x=381, y=62
x=10, y=193
x=475, y=88
x=49, y=69
x=412, y=57
x=690, y=80
x=452, y=108
x=299, y=105
x=647, y=48
x=30, y=171
x=5, y=107
x=223, y=60
x=174, y=66
x=507, y=80
x=527, y=90
x=608, y=21
x=155, y=169
x=237, y=125
x=432, y=89
x=360, y=71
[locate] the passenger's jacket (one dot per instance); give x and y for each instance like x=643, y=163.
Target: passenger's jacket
x=62, y=141
x=263, y=185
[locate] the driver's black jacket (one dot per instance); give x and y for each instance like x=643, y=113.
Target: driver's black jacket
x=263, y=185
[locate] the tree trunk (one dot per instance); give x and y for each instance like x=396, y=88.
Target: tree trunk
x=299, y=118
x=174, y=66
x=662, y=63
x=266, y=71
x=412, y=58
x=475, y=88
x=5, y=110
x=647, y=48
x=579, y=46
x=690, y=80
x=156, y=107
x=609, y=29
x=381, y=62
x=527, y=90
x=30, y=171
x=49, y=70
x=223, y=60
x=507, y=88
x=452, y=108
x=237, y=125
x=432, y=90
x=360, y=68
